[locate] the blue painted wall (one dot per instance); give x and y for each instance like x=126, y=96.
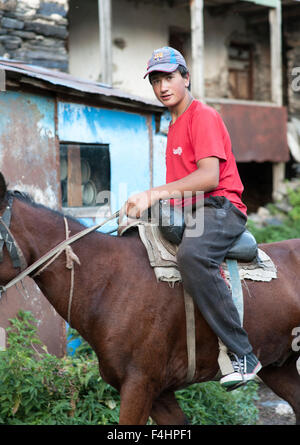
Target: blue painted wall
x=159, y=150
x=128, y=139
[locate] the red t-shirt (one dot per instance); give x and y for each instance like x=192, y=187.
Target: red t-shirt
x=201, y=133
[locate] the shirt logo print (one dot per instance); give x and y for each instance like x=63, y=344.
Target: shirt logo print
x=177, y=151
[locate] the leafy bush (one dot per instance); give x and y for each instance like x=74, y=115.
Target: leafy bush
x=274, y=233
x=209, y=404
x=294, y=199
x=37, y=388
x=290, y=227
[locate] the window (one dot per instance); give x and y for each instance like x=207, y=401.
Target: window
x=179, y=39
x=240, y=71
x=84, y=173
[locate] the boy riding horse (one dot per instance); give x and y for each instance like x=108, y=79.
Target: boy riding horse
x=199, y=158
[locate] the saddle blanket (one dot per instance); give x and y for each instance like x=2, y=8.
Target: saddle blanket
x=162, y=257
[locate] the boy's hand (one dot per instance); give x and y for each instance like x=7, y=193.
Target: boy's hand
x=138, y=203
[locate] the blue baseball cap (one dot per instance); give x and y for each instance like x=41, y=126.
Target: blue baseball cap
x=165, y=59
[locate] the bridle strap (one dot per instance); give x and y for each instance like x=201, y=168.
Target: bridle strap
x=6, y=219
x=7, y=238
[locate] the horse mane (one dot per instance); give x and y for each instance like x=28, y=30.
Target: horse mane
x=23, y=196
x=28, y=199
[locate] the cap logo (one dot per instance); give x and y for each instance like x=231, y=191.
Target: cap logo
x=158, y=56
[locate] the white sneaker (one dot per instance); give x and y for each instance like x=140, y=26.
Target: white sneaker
x=245, y=369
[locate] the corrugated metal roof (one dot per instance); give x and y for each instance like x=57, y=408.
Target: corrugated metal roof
x=61, y=79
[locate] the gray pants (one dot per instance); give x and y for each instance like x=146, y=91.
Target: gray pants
x=199, y=260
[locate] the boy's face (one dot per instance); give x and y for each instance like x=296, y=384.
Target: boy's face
x=170, y=88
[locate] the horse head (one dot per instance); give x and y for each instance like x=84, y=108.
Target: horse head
x=3, y=189
x=12, y=259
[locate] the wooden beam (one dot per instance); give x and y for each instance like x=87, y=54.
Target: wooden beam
x=278, y=171
x=105, y=34
x=150, y=135
x=197, y=38
x=276, y=54
x=2, y=339
x=2, y=80
x=275, y=20
x=74, y=176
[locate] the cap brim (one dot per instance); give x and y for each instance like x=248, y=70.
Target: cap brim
x=163, y=67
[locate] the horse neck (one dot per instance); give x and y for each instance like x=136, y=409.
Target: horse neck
x=37, y=229
x=43, y=229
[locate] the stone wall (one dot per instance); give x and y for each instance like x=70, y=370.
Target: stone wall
x=35, y=31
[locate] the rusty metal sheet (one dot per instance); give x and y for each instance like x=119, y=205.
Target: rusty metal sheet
x=28, y=160
x=73, y=83
x=27, y=145
x=258, y=132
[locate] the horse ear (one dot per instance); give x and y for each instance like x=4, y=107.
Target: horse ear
x=2, y=187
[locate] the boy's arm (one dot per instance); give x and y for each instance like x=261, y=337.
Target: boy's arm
x=205, y=179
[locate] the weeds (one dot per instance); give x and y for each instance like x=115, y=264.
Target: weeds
x=288, y=229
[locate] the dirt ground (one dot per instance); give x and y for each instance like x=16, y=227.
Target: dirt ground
x=272, y=409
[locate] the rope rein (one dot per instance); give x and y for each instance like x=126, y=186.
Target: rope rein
x=70, y=258
x=53, y=254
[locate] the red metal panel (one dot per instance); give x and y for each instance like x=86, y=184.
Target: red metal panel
x=258, y=133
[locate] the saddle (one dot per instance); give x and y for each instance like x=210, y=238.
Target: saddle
x=253, y=263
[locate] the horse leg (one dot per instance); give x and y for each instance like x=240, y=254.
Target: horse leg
x=166, y=410
x=136, y=401
x=285, y=382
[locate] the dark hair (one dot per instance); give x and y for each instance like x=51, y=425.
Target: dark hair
x=182, y=70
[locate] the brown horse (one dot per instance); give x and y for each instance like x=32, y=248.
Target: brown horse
x=137, y=326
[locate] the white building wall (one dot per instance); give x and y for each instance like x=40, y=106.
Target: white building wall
x=143, y=28
x=84, y=45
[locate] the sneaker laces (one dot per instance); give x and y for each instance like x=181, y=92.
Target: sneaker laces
x=237, y=363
